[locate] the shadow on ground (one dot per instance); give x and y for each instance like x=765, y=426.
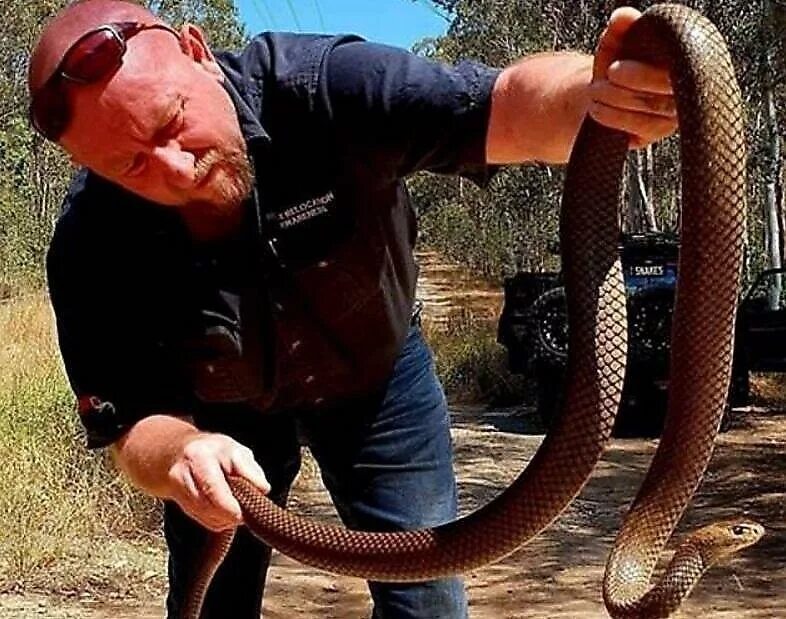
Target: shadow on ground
x=559, y=573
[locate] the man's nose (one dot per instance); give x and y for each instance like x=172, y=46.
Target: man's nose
x=176, y=164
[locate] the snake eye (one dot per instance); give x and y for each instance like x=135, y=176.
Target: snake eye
x=739, y=530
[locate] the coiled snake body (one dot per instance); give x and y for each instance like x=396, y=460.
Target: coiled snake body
x=713, y=195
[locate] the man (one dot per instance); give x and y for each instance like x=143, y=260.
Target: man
x=234, y=276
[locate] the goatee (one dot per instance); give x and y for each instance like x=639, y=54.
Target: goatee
x=232, y=179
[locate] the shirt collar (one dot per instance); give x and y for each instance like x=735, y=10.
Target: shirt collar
x=250, y=125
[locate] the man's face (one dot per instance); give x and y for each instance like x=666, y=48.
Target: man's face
x=163, y=127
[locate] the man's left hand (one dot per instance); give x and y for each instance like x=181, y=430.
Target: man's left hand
x=628, y=95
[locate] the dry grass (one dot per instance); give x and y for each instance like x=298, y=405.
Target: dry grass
x=71, y=524
x=57, y=500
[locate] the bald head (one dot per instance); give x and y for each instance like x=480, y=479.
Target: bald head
x=160, y=123
x=69, y=25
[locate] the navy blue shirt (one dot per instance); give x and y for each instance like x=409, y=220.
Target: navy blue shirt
x=309, y=304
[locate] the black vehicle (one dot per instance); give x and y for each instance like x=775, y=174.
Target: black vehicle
x=533, y=327
x=761, y=323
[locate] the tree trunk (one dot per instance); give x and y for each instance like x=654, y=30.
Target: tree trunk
x=772, y=215
x=649, y=203
x=640, y=211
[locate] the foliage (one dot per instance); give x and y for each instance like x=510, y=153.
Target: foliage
x=218, y=18
x=471, y=365
x=512, y=225
x=32, y=173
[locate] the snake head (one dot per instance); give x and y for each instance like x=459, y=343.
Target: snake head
x=721, y=539
x=745, y=532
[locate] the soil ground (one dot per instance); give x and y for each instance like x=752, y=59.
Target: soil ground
x=559, y=574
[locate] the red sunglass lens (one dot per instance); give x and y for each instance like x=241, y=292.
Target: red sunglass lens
x=93, y=57
x=50, y=113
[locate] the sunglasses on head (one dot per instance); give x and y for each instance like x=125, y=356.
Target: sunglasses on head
x=95, y=56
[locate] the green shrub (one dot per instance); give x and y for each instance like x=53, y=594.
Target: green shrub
x=470, y=363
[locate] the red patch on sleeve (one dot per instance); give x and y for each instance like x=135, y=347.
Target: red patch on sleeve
x=87, y=404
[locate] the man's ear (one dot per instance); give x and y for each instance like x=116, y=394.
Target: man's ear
x=194, y=45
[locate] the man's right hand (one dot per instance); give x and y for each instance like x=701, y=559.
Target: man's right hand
x=168, y=457
x=198, y=483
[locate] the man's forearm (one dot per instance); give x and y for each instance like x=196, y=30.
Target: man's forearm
x=148, y=450
x=169, y=458
x=537, y=108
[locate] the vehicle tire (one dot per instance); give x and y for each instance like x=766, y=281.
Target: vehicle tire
x=547, y=328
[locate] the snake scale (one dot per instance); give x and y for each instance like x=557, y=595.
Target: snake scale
x=712, y=233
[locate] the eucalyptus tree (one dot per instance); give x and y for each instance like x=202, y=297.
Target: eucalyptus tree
x=218, y=18
x=32, y=174
x=514, y=225
x=522, y=203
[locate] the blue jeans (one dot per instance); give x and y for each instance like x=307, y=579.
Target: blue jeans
x=386, y=461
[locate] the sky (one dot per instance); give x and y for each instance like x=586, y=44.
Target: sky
x=395, y=22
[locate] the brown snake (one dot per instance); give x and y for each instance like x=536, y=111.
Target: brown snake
x=713, y=168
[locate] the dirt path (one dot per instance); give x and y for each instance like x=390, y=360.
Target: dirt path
x=447, y=289
x=558, y=574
